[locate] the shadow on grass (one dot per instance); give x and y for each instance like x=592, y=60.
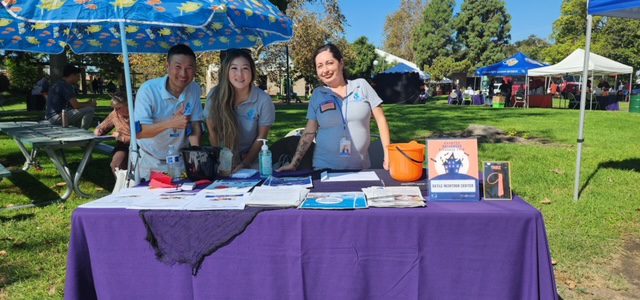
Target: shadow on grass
x=32, y=188
x=18, y=217
x=98, y=172
x=632, y=164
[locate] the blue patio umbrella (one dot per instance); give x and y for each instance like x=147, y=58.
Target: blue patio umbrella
x=138, y=26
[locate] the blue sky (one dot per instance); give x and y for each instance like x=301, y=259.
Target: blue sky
x=367, y=17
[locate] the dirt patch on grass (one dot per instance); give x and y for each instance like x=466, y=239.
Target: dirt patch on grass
x=618, y=280
x=493, y=135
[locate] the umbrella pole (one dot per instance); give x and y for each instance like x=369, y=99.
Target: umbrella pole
x=133, y=146
x=583, y=97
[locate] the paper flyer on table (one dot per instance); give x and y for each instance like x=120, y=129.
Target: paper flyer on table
x=231, y=187
x=205, y=201
x=122, y=199
x=163, y=199
x=305, y=182
x=394, y=196
x=349, y=176
x=348, y=200
x=287, y=196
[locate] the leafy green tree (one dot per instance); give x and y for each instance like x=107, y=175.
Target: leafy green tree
x=483, y=30
x=533, y=47
x=24, y=70
x=444, y=66
x=400, y=26
x=365, y=53
x=311, y=32
x=619, y=39
x=434, y=36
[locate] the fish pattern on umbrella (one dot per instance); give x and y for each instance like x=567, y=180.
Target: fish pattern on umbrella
x=153, y=26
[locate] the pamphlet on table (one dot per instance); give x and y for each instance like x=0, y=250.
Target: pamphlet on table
x=346, y=200
x=204, y=201
x=394, y=196
x=453, y=169
x=497, y=180
x=303, y=182
x=231, y=187
x=349, y=176
x=288, y=196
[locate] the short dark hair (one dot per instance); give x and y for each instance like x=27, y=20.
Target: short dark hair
x=181, y=49
x=70, y=70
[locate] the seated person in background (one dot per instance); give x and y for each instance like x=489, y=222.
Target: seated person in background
x=238, y=112
x=118, y=119
x=469, y=91
x=168, y=111
x=453, y=96
x=62, y=96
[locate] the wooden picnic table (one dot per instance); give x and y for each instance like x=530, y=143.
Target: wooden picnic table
x=53, y=139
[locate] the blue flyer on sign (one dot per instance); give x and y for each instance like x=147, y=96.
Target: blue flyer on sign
x=453, y=170
x=349, y=200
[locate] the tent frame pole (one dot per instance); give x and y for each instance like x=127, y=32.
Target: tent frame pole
x=583, y=96
x=133, y=145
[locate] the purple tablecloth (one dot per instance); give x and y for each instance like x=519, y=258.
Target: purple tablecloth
x=483, y=250
x=478, y=100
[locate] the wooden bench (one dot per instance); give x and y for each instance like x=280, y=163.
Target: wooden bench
x=4, y=172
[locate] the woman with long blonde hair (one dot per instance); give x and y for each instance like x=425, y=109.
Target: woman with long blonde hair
x=239, y=113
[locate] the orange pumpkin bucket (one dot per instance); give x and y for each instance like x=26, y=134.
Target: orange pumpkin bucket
x=406, y=160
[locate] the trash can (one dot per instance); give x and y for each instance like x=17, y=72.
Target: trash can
x=634, y=104
x=498, y=101
x=201, y=162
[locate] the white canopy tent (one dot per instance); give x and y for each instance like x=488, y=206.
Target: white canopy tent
x=574, y=64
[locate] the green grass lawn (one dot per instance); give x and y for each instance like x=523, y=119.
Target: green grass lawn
x=585, y=236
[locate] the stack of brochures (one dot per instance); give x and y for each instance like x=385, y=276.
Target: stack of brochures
x=394, y=196
x=267, y=196
x=303, y=182
x=344, y=200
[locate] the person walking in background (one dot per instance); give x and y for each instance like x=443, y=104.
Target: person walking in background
x=62, y=96
x=118, y=119
x=239, y=113
x=339, y=117
x=168, y=111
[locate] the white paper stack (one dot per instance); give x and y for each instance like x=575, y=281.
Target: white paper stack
x=277, y=196
x=394, y=196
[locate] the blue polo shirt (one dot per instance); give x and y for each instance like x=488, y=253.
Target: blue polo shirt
x=258, y=111
x=333, y=114
x=155, y=104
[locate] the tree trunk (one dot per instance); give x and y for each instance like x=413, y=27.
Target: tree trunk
x=56, y=66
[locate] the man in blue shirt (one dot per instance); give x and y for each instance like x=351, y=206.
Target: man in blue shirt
x=168, y=111
x=62, y=96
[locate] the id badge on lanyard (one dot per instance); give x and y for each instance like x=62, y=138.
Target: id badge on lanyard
x=344, y=147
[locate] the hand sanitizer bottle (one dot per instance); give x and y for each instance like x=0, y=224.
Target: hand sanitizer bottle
x=265, y=160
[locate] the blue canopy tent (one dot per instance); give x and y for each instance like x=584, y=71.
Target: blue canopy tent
x=610, y=8
x=517, y=65
x=404, y=68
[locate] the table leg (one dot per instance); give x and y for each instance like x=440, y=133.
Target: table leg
x=58, y=161
x=28, y=157
x=83, y=164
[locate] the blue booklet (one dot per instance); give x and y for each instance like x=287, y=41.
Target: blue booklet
x=348, y=200
x=289, y=181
